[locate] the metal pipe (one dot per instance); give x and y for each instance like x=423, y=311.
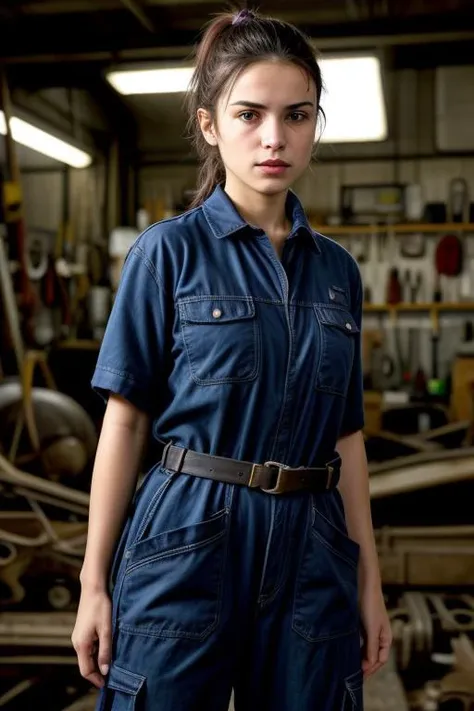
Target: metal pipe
x=16, y=690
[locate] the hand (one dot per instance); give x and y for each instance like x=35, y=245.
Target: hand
x=92, y=635
x=377, y=629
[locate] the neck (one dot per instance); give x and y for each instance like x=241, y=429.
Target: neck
x=264, y=211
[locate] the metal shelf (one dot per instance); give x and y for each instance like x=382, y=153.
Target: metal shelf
x=437, y=307
x=400, y=229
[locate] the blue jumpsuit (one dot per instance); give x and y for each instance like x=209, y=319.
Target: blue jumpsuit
x=236, y=353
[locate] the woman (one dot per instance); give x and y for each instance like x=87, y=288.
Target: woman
x=235, y=337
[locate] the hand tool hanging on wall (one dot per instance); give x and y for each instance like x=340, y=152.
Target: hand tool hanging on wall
x=458, y=201
x=448, y=261
x=412, y=284
x=435, y=383
x=412, y=246
x=13, y=208
x=394, y=287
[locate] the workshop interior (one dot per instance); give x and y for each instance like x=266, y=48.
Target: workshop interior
x=93, y=149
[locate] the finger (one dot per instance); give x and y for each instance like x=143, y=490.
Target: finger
x=105, y=649
x=372, y=649
x=96, y=679
x=375, y=668
x=87, y=664
x=384, y=652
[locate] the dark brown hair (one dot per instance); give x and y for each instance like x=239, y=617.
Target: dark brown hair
x=230, y=44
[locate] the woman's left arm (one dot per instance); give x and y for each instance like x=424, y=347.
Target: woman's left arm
x=354, y=488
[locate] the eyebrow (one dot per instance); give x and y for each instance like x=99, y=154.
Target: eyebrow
x=253, y=105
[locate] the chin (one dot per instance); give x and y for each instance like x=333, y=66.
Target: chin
x=272, y=187
x=269, y=185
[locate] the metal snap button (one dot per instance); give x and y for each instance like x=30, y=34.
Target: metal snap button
x=217, y=313
x=348, y=326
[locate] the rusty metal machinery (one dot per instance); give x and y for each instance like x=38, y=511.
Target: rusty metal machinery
x=42, y=539
x=416, y=556
x=424, y=624
x=67, y=438
x=455, y=690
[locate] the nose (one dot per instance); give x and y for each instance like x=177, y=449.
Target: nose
x=273, y=134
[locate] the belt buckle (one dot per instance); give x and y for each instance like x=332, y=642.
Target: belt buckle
x=278, y=488
x=251, y=478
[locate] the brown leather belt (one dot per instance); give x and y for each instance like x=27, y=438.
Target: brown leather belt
x=271, y=477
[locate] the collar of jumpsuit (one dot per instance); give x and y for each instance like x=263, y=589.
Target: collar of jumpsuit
x=231, y=351
x=224, y=220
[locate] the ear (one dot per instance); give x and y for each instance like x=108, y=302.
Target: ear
x=207, y=126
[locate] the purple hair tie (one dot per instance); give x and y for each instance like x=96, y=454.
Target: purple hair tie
x=243, y=16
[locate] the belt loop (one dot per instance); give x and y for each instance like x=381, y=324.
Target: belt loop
x=330, y=472
x=180, y=463
x=164, y=455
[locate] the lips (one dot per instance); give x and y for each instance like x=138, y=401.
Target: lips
x=275, y=164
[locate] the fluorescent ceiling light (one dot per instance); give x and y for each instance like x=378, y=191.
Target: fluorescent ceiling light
x=151, y=81
x=353, y=100
x=45, y=143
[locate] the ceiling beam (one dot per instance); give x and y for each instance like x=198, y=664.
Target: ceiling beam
x=59, y=7
x=138, y=11
x=179, y=52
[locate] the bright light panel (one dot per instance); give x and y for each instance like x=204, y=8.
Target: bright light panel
x=353, y=100
x=151, y=81
x=45, y=143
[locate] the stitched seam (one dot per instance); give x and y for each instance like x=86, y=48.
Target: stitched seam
x=148, y=264
x=175, y=551
x=211, y=297
x=325, y=543
x=316, y=510
x=181, y=634
x=222, y=381
x=151, y=510
x=267, y=551
x=148, y=632
x=217, y=232
x=318, y=385
x=267, y=599
x=323, y=638
x=331, y=391
x=114, y=371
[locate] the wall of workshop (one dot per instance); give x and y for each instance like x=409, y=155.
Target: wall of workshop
x=73, y=113
x=408, y=156
x=44, y=197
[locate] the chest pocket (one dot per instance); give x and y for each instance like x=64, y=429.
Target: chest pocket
x=339, y=340
x=222, y=339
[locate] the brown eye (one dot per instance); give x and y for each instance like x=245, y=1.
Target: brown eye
x=247, y=115
x=297, y=116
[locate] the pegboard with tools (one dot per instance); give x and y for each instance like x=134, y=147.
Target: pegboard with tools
x=418, y=296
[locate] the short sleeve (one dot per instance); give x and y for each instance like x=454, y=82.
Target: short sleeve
x=353, y=418
x=132, y=355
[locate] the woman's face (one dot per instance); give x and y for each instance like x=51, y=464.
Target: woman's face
x=265, y=127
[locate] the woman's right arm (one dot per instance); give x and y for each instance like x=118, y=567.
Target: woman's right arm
x=120, y=451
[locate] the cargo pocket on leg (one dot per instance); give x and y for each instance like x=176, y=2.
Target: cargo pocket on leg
x=353, y=693
x=123, y=689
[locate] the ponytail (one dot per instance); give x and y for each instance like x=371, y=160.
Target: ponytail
x=211, y=170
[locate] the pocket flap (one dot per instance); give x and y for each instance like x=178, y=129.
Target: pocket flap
x=217, y=310
x=337, y=317
x=355, y=681
x=125, y=681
